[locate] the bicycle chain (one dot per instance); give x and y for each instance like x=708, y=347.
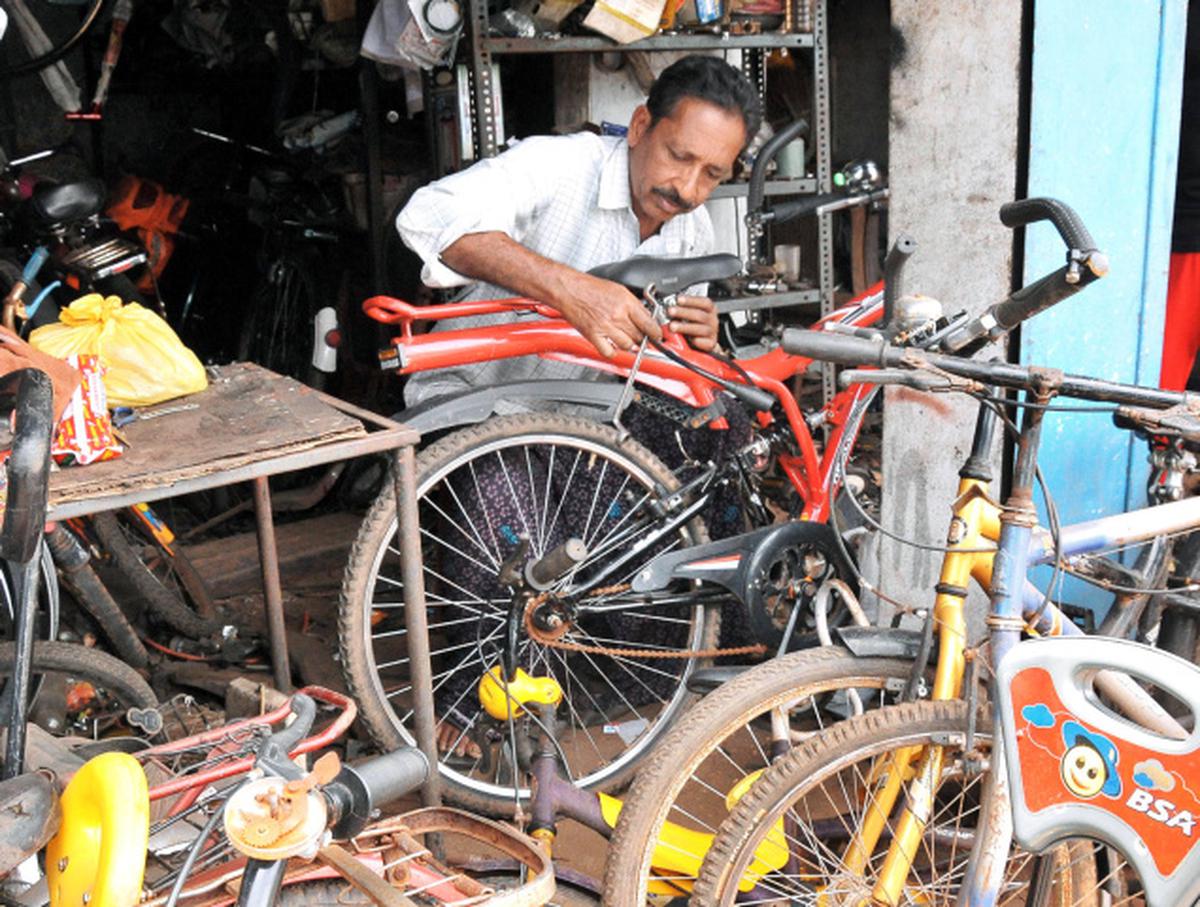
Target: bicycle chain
x=553, y=638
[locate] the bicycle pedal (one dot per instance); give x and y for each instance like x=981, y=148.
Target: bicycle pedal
x=678, y=413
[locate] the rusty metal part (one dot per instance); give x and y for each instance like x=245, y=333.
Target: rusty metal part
x=553, y=638
x=362, y=877
x=402, y=830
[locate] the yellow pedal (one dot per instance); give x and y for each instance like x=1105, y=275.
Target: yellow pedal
x=496, y=696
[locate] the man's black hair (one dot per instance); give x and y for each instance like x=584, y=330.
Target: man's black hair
x=706, y=79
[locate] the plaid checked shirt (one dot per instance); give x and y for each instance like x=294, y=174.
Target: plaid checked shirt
x=566, y=198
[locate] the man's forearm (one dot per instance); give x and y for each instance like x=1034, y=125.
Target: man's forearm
x=606, y=313
x=499, y=259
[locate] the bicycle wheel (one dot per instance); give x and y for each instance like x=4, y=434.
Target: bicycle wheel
x=279, y=332
x=549, y=477
x=82, y=691
x=804, y=813
x=725, y=737
x=163, y=578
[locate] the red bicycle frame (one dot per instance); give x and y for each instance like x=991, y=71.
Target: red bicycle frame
x=551, y=337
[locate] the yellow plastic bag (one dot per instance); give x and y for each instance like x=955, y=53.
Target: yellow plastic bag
x=146, y=361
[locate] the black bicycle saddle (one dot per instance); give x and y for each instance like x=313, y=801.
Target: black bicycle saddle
x=668, y=275
x=67, y=201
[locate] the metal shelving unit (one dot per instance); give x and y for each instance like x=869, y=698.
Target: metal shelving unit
x=484, y=47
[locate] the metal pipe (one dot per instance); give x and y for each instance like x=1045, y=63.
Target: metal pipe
x=416, y=620
x=268, y=556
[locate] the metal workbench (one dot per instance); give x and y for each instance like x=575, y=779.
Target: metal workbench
x=248, y=425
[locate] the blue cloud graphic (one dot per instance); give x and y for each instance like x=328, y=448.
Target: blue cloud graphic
x=1038, y=715
x=1151, y=775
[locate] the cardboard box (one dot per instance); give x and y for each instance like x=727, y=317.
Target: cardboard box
x=626, y=21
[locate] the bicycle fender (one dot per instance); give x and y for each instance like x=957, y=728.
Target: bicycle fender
x=879, y=642
x=1076, y=768
x=475, y=405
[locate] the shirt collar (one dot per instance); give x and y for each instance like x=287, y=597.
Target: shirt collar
x=614, y=178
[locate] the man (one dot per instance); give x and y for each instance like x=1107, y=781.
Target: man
x=533, y=220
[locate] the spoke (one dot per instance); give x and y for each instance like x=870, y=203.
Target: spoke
x=487, y=568
x=563, y=495
x=513, y=492
x=453, y=492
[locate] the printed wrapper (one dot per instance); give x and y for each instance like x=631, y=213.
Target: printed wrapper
x=85, y=432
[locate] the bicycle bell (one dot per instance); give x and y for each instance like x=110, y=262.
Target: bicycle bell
x=915, y=314
x=860, y=176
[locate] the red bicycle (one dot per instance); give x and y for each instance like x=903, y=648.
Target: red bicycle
x=577, y=508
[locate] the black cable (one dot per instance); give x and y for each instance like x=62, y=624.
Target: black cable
x=698, y=369
x=55, y=54
x=193, y=853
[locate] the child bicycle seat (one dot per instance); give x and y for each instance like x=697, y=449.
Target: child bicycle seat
x=98, y=857
x=1076, y=768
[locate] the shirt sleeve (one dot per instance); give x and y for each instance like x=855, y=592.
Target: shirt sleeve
x=499, y=194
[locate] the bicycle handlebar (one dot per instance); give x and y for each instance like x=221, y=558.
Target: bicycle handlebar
x=1049, y=290
x=860, y=351
x=1068, y=223
x=758, y=173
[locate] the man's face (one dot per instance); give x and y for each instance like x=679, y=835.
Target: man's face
x=675, y=165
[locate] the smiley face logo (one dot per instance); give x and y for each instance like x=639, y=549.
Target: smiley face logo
x=1089, y=765
x=1083, y=771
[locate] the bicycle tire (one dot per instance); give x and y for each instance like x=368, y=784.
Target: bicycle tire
x=828, y=759
x=94, y=598
x=684, y=768
x=102, y=670
x=167, y=603
x=278, y=332
x=52, y=56
x=536, y=438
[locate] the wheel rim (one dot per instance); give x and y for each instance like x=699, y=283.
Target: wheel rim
x=700, y=802
x=456, y=573
x=818, y=815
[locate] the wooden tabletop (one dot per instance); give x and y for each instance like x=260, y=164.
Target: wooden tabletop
x=248, y=422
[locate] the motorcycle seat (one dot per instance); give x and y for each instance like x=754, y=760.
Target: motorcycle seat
x=67, y=201
x=29, y=817
x=668, y=275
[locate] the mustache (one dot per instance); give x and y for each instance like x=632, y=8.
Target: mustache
x=674, y=198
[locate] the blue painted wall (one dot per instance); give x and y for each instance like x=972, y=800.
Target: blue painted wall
x=1104, y=136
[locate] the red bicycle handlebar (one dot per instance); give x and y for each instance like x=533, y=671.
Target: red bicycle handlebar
x=237, y=766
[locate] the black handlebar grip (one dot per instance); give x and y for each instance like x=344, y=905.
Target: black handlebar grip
x=390, y=776
x=761, y=400
x=1063, y=216
x=305, y=712
x=785, y=211
x=841, y=349
x=758, y=173
x=1039, y=296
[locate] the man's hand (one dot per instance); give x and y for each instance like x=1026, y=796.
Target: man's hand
x=696, y=318
x=606, y=313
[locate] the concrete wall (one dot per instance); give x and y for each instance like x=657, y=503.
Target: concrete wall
x=952, y=153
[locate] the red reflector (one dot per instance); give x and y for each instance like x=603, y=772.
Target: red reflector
x=333, y=338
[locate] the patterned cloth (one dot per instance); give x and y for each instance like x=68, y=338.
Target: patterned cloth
x=564, y=197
